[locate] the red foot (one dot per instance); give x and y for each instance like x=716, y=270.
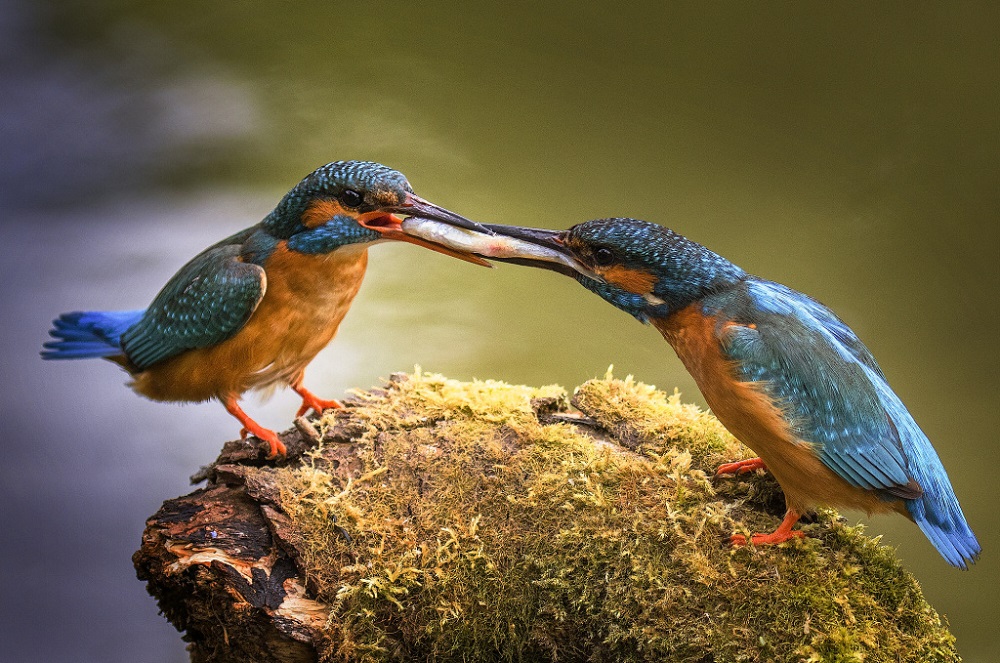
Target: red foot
x=276, y=448
x=312, y=402
x=741, y=467
x=780, y=535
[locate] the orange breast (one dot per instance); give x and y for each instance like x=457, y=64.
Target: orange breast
x=746, y=410
x=306, y=298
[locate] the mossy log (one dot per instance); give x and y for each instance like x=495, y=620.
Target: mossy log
x=447, y=521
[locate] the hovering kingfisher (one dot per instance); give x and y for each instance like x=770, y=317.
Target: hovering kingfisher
x=251, y=311
x=781, y=371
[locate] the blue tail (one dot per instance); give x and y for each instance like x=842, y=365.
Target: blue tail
x=943, y=522
x=937, y=512
x=84, y=334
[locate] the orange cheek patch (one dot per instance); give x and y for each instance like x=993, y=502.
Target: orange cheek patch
x=321, y=211
x=633, y=280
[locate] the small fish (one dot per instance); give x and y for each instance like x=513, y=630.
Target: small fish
x=496, y=247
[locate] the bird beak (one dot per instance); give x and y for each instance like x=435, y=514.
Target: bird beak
x=550, y=239
x=385, y=221
x=535, y=247
x=414, y=205
x=522, y=246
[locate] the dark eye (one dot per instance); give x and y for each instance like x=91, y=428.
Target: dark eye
x=603, y=257
x=351, y=198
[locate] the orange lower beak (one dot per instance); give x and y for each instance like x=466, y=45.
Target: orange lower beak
x=390, y=226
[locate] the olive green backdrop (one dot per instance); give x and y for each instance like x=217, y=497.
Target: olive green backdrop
x=849, y=150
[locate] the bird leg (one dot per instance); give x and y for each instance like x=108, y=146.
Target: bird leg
x=741, y=467
x=251, y=426
x=784, y=531
x=311, y=401
x=780, y=535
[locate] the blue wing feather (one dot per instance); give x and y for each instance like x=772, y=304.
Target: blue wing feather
x=836, y=397
x=937, y=512
x=205, y=303
x=821, y=383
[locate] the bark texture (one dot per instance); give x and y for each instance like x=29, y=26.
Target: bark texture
x=446, y=521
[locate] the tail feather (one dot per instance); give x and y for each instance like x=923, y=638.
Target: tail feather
x=83, y=334
x=936, y=512
x=950, y=534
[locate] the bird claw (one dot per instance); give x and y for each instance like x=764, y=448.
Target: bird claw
x=276, y=446
x=780, y=535
x=317, y=405
x=738, y=540
x=741, y=467
x=311, y=401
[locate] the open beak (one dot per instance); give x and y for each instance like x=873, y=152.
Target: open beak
x=414, y=205
x=443, y=231
x=386, y=222
x=522, y=246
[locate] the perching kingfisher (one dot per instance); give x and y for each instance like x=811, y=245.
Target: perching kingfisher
x=781, y=371
x=251, y=311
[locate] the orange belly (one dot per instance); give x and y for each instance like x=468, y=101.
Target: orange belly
x=754, y=419
x=306, y=298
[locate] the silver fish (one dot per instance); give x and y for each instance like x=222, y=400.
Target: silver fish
x=497, y=246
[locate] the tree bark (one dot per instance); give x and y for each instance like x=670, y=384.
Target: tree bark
x=220, y=563
x=459, y=539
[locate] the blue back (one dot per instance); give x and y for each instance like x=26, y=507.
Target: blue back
x=838, y=399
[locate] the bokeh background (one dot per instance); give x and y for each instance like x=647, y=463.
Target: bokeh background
x=849, y=150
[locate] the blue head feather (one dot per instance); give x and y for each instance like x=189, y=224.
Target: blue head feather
x=378, y=184
x=684, y=271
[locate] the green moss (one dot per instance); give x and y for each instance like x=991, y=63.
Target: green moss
x=480, y=533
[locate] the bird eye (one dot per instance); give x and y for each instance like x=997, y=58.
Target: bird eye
x=351, y=198
x=603, y=257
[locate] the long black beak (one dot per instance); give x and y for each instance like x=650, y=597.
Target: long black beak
x=385, y=221
x=551, y=241
x=417, y=206
x=540, y=236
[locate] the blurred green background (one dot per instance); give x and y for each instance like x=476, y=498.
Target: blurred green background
x=849, y=150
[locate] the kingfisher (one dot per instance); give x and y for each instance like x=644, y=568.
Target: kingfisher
x=251, y=311
x=780, y=370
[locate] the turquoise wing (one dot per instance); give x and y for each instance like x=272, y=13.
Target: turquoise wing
x=815, y=368
x=836, y=397
x=205, y=303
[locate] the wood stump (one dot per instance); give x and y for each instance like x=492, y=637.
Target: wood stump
x=448, y=521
